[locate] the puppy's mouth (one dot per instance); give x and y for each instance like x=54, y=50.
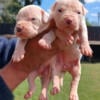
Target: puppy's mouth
x=72, y=27
x=21, y=35
x=64, y=26
x=70, y=23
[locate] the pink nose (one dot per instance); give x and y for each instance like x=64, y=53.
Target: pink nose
x=68, y=21
x=18, y=29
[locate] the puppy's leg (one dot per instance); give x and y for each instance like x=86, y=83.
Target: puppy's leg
x=31, y=84
x=19, y=50
x=76, y=73
x=56, y=73
x=47, y=39
x=45, y=80
x=84, y=43
x=56, y=84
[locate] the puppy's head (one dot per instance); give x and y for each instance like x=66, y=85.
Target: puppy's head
x=67, y=14
x=29, y=21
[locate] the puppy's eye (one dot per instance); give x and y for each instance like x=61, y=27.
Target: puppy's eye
x=78, y=12
x=60, y=10
x=33, y=19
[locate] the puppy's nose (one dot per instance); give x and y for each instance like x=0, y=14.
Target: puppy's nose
x=68, y=21
x=18, y=29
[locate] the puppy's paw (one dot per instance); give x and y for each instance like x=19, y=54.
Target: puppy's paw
x=73, y=96
x=69, y=40
x=44, y=44
x=55, y=90
x=42, y=97
x=18, y=55
x=86, y=50
x=28, y=95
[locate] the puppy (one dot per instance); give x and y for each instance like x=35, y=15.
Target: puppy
x=68, y=16
x=28, y=25
x=36, y=22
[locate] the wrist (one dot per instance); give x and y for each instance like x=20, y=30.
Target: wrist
x=5, y=92
x=12, y=75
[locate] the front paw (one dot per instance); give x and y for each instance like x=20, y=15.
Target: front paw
x=28, y=95
x=86, y=50
x=69, y=40
x=44, y=44
x=18, y=56
x=42, y=97
x=55, y=90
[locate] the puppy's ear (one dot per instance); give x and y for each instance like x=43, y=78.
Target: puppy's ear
x=84, y=10
x=53, y=7
x=52, y=11
x=45, y=16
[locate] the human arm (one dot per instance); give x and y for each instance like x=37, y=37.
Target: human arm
x=15, y=72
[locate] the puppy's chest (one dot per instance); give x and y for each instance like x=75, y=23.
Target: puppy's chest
x=68, y=66
x=65, y=64
x=63, y=40
x=70, y=50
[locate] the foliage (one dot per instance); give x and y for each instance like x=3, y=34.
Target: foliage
x=88, y=23
x=12, y=8
x=10, y=11
x=82, y=1
x=27, y=2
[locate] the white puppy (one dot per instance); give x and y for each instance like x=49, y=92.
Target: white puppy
x=29, y=22
x=28, y=25
x=68, y=16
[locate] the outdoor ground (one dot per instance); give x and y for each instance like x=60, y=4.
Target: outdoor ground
x=89, y=87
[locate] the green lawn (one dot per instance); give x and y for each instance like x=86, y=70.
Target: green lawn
x=89, y=87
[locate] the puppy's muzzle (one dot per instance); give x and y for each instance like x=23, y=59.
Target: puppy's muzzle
x=18, y=29
x=68, y=21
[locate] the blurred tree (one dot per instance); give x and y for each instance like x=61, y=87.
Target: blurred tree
x=82, y=1
x=88, y=23
x=10, y=10
x=12, y=7
x=27, y=2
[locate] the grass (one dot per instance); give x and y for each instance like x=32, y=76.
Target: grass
x=89, y=87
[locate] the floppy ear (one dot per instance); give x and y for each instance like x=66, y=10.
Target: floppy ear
x=45, y=16
x=53, y=7
x=52, y=11
x=84, y=10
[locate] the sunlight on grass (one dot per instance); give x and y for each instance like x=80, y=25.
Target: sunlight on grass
x=89, y=87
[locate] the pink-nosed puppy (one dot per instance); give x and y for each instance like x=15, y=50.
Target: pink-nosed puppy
x=68, y=16
x=29, y=22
